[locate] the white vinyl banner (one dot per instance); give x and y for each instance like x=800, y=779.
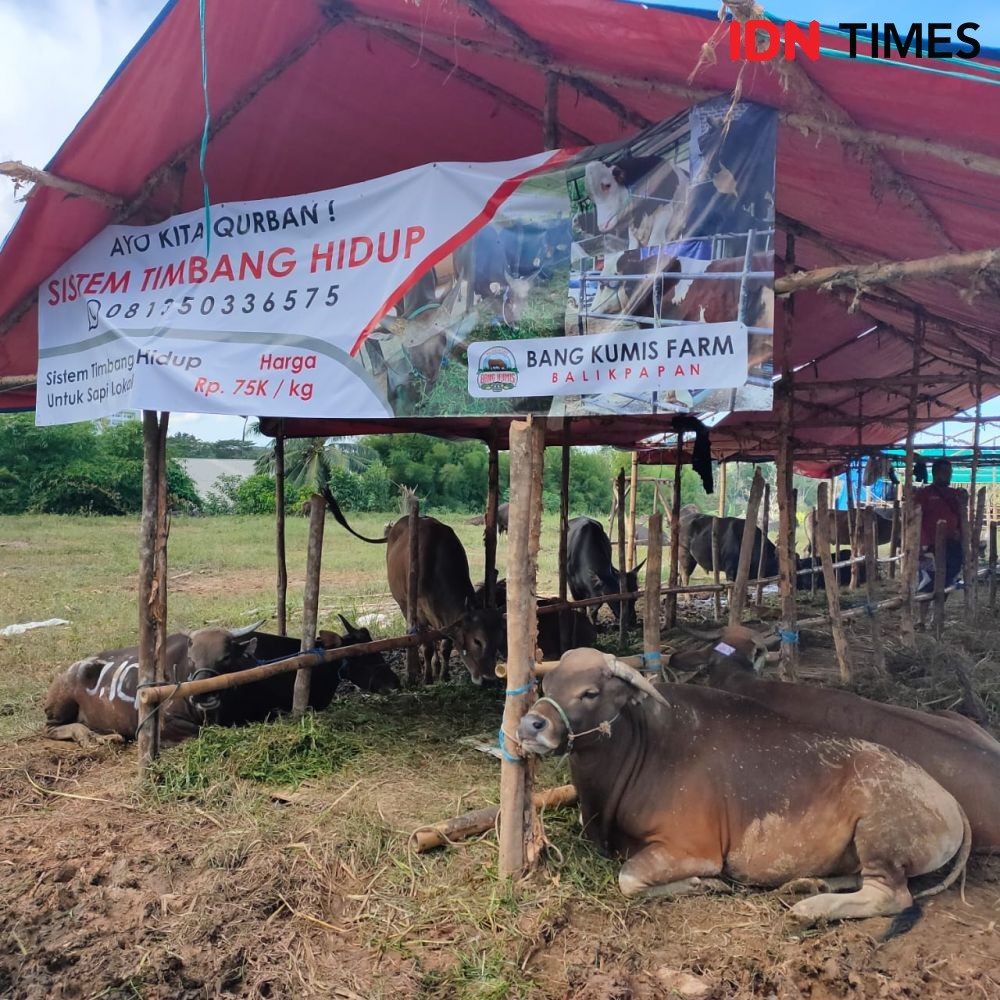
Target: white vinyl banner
x=269, y=322
x=631, y=278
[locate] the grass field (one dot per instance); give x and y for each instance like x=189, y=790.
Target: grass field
x=273, y=861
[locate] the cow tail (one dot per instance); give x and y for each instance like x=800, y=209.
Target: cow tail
x=903, y=922
x=342, y=521
x=958, y=865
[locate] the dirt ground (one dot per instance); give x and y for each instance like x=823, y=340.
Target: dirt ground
x=250, y=891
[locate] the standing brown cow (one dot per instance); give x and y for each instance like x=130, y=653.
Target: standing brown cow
x=445, y=595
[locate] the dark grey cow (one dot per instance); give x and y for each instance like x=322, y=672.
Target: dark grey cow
x=591, y=573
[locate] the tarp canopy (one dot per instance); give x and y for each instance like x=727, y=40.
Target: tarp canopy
x=308, y=95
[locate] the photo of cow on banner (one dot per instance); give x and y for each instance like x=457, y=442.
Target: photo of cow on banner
x=626, y=278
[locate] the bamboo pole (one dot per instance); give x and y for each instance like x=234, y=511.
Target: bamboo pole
x=448, y=831
x=490, y=526
x=239, y=678
x=723, y=466
x=870, y=538
x=993, y=565
x=162, y=533
x=894, y=538
x=565, y=621
x=832, y=590
x=912, y=517
x=977, y=536
x=738, y=598
x=764, y=524
x=940, y=575
x=654, y=573
x=633, y=491
x=279, y=531
x=670, y=611
x=527, y=445
x=968, y=566
x=716, y=564
x=147, y=736
x=622, y=579
x=859, y=276
x=412, y=591
x=310, y=599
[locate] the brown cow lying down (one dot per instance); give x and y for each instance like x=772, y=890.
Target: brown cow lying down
x=689, y=783
x=98, y=694
x=962, y=756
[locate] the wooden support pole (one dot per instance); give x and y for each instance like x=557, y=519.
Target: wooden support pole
x=738, y=598
x=977, y=537
x=149, y=723
x=654, y=574
x=765, y=509
x=622, y=580
x=716, y=565
x=517, y=820
x=830, y=581
x=565, y=621
x=633, y=493
x=968, y=566
x=310, y=599
x=490, y=525
x=162, y=533
x=894, y=538
x=870, y=539
x=670, y=613
x=723, y=466
x=413, y=673
x=993, y=565
x=912, y=517
x=940, y=575
x=279, y=531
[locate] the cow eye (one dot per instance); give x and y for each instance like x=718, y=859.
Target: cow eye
x=590, y=693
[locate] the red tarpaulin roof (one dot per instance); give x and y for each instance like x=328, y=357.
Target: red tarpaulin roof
x=307, y=96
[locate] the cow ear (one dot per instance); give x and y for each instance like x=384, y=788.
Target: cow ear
x=249, y=647
x=618, y=174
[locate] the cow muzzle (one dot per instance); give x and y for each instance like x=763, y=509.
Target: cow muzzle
x=536, y=736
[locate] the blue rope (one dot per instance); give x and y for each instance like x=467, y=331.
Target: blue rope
x=869, y=609
x=788, y=635
x=653, y=659
x=523, y=689
x=510, y=758
x=204, y=134
x=317, y=651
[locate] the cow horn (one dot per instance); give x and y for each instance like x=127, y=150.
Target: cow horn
x=639, y=567
x=632, y=676
x=242, y=633
x=346, y=623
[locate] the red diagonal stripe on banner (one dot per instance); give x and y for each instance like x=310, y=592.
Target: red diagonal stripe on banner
x=502, y=193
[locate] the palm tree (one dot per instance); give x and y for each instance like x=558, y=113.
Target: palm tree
x=308, y=460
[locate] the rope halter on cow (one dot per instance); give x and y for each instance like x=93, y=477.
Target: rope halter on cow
x=623, y=672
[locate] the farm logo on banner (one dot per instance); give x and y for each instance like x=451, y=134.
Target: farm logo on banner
x=629, y=278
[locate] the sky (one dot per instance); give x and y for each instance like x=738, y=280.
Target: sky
x=56, y=55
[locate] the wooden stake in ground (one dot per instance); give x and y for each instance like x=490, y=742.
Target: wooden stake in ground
x=162, y=533
x=651, y=612
x=670, y=612
x=993, y=565
x=412, y=590
x=912, y=517
x=830, y=582
x=977, y=539
x=894, y=539
x=622, y=580
x=527, y=447
x=716, y=563
x=148, y=735
x=764, y=519
x=722, y=489
x=490, y=526
x=310, y=599
x=968, y=566
x=565, y=621
x=940, y=575
x=871, y=588
x=738, y=597
x=633, y=492
x=279, y=534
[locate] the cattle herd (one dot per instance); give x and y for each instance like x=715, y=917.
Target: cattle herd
x=725, y=776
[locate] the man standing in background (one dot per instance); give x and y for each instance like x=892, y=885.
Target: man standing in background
x=940, y=502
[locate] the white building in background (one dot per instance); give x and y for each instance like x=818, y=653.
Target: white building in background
x=116, y=419
x=204, y=472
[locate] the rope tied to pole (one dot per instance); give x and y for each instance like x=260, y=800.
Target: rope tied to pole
x=523, y=689
x=505, y=753
x=790, y=636
x=652, y=662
